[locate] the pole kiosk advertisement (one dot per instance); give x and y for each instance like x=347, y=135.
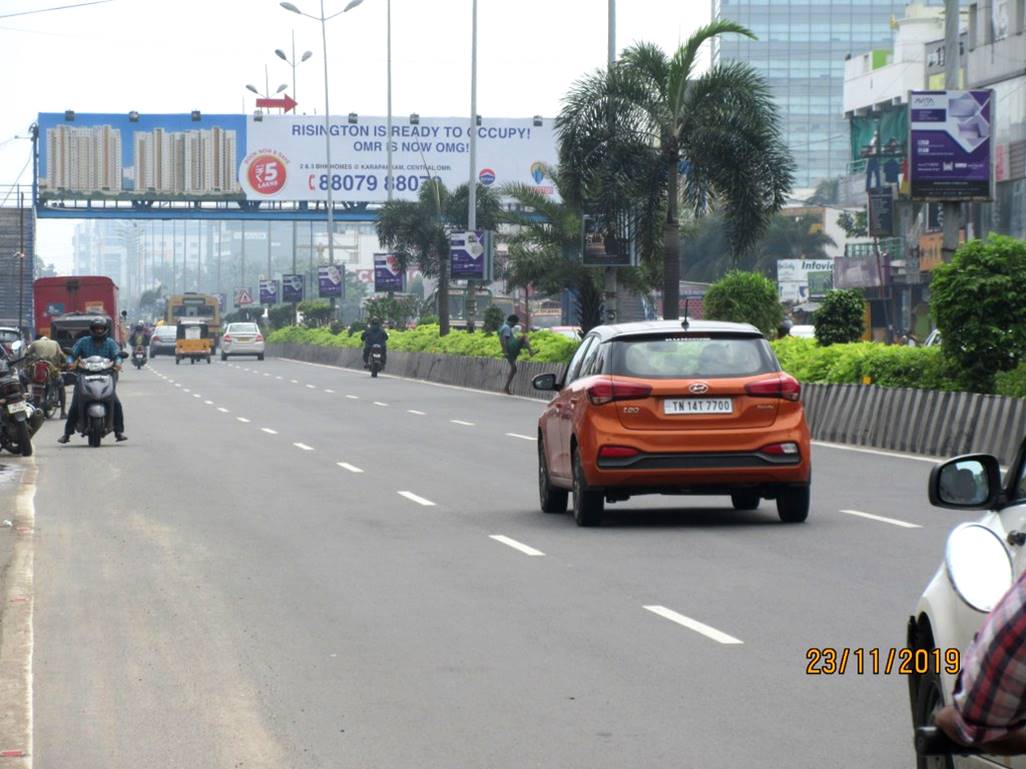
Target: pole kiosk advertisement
x=292, y=285
x=268, y=291
x=470, y=255
x=388, y=275
x=329, y=281
x=950, y=145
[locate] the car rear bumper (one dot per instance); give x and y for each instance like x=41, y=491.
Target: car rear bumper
x=242, y=348
x=699, y=461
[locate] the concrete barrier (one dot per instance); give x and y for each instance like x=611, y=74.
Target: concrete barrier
x=901, y=419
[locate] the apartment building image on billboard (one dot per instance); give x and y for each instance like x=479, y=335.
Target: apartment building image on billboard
x=83, y=159
x=140, y=157
x=190, y=163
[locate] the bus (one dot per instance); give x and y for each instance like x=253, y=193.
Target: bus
x=193, y=305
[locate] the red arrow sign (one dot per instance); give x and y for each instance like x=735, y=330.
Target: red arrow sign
x=288, y=103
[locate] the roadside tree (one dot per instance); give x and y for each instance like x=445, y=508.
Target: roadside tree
x=840, y=319
x=745, y=297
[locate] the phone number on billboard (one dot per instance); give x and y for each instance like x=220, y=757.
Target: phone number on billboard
x=370, y=182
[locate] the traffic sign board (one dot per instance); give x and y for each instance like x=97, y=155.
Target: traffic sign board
x=243, y=297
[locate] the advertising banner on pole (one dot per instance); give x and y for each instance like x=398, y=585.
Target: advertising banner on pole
x=292, y=285
x=600, y=249
x=387, y=273
x=268, y=291
x=329, y=280
x=222, y=302
x=243, y=297
x=881, y=213
x=950, y=145
x=470, y=255
x=286, y=161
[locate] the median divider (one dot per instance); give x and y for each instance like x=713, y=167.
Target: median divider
x=926, y=422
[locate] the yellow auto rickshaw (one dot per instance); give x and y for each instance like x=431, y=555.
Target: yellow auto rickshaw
x=193, y=341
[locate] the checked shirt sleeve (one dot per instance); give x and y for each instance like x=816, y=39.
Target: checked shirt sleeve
x=990, y=694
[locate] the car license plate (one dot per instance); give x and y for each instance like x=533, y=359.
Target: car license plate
x=243, y=339
x=698, y=406
x=14, y=408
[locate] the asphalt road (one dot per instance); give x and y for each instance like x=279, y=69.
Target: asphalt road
x=220, y=592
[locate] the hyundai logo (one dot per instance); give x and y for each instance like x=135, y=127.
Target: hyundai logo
x=699, y=387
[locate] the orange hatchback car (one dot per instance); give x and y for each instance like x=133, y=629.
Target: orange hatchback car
x=671, y=407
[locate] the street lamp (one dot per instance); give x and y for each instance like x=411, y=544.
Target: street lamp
x=327, y=112
x=292, y=62
x=266, y=94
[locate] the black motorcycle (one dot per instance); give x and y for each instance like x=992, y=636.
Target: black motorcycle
x=44, y=386
x=18, y=418
x=377, y=359
x=139, y=357
x=95, y=389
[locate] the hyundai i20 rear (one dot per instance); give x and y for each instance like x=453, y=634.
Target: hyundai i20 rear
x=672, y=408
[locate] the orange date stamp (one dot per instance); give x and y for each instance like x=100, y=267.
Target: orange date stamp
x=829, y=661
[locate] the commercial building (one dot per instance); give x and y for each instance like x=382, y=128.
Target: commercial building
x=800, y=49
x=997, y=60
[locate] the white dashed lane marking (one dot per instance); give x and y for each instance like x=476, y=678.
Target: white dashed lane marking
x=222, y=409
x=693, y=624
x=418, y=413
x=303, y=446
x=526, y=549
x=269, y=431
x=349, y=467
x=882, y=519
x=415, y=498
x=522, y=437
x=461, y=422
x=242, y=419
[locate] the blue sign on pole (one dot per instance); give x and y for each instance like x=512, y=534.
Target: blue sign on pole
x=268, y=292
x=469, y=255
x=950, y=145
x=329, y=280
x=388, y=274
x=292, y=285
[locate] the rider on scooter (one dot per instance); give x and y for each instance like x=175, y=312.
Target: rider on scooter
x=139, y=337
x=372, y=336
x=97, y=343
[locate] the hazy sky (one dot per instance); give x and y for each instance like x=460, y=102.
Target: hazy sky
x=180, y=55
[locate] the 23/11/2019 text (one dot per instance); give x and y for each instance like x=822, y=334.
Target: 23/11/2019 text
x=874, y=661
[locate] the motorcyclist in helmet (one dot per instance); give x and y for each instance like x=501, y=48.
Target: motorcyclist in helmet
x=97, y=343
x=139, y=337
x=372, y=336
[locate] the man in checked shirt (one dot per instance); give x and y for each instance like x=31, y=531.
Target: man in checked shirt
x=989, y=710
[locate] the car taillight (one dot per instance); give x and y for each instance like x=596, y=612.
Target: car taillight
x=780, y=449
x=783, y=386
x=608, y=391
x=617, y=452
x=226, y=338
x=258, y=338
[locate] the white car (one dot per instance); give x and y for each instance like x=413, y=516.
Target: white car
x=981, y=561
x=242, y=339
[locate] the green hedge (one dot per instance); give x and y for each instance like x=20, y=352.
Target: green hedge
x=884, y=365
x=804, y=359
x=548, y=347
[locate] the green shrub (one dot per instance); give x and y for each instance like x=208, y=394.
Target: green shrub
x=280, y=316
x=840, y=318
x=492, y=319
x=745, y=297
x=1012, y=382
x=316, y=312
x=979, y=303
x=884, y=365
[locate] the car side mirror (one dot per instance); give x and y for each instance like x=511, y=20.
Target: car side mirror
x=545, y=382
x=17, y=349
x=971, y=482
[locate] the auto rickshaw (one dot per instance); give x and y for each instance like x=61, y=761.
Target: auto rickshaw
x=194, y=341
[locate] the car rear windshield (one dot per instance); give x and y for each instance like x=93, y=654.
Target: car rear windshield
x=168, y=332
x=691, y=356
x=243, y=328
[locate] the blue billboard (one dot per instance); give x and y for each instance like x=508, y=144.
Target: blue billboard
x=96, y=156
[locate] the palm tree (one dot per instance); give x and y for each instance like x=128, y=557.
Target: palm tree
x=544, y=246
x=649, y=131
x=418, y=231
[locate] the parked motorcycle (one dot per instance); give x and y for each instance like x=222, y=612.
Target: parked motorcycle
x=44, y=385
x=139, y=357
x=377, y=359
x=18, y=418
x=95, y=389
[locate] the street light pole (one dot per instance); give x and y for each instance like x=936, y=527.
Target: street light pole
x=472, y=186
x=952, y=62
x=389, y=183
x=612, y=311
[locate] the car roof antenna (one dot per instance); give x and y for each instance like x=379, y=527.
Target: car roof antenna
x=685, y=323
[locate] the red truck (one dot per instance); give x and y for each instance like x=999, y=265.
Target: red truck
x=83, y=294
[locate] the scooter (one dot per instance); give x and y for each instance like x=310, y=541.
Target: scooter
x=18, y=418
x=95, y=390
x=377, y=359
x=139, y=357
